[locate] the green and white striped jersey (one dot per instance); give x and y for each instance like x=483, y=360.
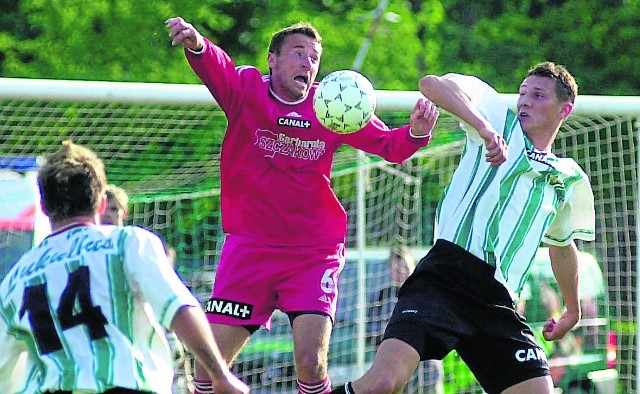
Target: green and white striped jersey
x=502, y=214
x=87, y=310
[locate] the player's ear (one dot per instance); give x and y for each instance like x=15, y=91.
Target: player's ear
x=102, y=206
x=567, y=108
x=271, y=60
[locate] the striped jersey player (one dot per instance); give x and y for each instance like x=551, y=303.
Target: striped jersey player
x=80, y=304
x=87, y=309
x=508, y=195
x=501, y=214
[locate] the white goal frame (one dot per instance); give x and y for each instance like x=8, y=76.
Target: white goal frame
x=196, y=94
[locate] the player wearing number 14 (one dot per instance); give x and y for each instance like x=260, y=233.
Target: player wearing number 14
x=82, y=311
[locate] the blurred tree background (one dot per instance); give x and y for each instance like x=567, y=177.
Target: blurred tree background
x=126, y=40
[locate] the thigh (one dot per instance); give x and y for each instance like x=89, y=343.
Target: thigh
x=428, y=316
x=311, y=335
x=230, y=341
x=394, y=363
x=539, y=385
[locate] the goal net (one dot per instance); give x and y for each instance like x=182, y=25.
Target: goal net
x=161, y=143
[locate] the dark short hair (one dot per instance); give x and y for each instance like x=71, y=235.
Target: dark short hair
x=71, y=182
x=566, y=86
x=299, y=28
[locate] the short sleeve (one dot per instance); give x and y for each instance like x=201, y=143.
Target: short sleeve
x=576, y=217
x=153, y=278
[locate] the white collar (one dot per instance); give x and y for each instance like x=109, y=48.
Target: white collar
x=283, y=101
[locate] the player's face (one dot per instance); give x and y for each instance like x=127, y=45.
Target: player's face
x=539, y=109
x=295, y=68
x=113, y=214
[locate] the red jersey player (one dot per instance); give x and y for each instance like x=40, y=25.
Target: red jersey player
x=285, y=228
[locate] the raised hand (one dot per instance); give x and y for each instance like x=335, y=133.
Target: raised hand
x=423, y=118
x=184, y=33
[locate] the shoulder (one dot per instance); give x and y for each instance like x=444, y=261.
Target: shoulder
x=472, y=85
x=142, y=233
x=251, y=72
x=139, y=236
x=247, y=70
x=571, y=169
x=493, y=106
x=252, y=80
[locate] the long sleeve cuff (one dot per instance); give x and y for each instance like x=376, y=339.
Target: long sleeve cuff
x=418, y=136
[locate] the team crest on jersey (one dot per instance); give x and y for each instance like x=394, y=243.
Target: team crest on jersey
x=558, y=186
x=294, y=122
x=218, y=306
x=280, y=143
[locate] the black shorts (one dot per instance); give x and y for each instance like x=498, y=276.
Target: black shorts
x=452, y=301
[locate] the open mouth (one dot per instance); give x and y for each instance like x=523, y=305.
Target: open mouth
x=301, y=79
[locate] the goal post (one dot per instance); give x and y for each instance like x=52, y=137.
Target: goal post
x=161, y=143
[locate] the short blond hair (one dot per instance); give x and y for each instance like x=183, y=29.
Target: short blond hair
x=118, y=194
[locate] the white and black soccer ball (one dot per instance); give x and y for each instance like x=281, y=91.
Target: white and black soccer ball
x=344, y=101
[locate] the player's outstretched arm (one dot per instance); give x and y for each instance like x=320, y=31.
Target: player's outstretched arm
x=192, y=328
x=184, y=33
x=448, y=95
x=564, y=261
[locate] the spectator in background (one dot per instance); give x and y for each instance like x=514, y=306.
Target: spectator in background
x=117, y=206
x=401, y=263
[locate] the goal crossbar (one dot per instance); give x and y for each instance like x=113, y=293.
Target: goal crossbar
x=165, y=93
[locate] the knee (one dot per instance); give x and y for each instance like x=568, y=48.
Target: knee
x=311, y=365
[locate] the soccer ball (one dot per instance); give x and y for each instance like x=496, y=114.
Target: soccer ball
x=344, y=101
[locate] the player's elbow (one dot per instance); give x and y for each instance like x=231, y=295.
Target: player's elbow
x=428, y=83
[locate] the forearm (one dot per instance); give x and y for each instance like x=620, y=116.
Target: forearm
x=448, y=95
x=564, y=262
x=192, y=328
